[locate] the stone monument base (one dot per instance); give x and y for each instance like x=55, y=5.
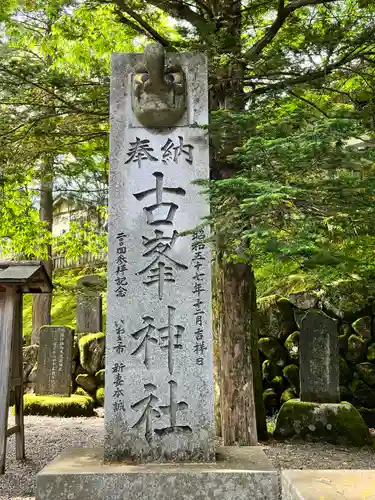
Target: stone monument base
x=240, y=473
x=331, y=484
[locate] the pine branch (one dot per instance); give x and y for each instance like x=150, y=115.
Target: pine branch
x=310, y=103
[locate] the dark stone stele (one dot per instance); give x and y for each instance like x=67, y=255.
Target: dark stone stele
x=89, y=305
x=54, y=375
x=319, y=358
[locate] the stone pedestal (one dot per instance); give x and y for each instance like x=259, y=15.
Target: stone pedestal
x=329, y=484
x=240, y=473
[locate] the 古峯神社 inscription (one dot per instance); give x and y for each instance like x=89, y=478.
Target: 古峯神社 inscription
x=159, y=386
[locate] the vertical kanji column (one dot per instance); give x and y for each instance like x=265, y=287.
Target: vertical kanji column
x=159, y=361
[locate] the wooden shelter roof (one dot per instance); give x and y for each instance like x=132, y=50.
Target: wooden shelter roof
x=30, y=275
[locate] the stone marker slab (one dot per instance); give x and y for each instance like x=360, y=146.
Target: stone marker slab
x=54, y=375
x=328, y=484
x=319, y=358
x=240, y=473
x=89, y=314
x=159, y=361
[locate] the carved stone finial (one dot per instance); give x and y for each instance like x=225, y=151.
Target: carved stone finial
x=158, y=91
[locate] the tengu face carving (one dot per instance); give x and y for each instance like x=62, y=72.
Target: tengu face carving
x=158, y=92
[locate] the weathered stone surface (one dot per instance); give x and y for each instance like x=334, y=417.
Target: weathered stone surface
x=327, y=484
x=364, y=394
x=366, y=372
x=362, y=327
x=91, y=349
x=319, y=358
x=356, y=349
x=306, y=299
x=30, y=357
x=89, y=315
x=292, y=345
x=276, y=319
x=330, y=422
x=240, y=473
x=33, y=374
x=272, y=349
x=87, y=382
x=159, y=360
x=55, y=361
x=298, y=316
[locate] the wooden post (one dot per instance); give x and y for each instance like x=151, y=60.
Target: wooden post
x=7, y=317
x=17, y=376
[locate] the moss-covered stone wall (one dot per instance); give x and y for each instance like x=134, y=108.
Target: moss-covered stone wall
x=279, y=336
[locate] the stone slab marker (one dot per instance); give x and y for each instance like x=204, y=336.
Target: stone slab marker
x=54, y=374
x=159, y=380
x=89, y=315
x=319, y=358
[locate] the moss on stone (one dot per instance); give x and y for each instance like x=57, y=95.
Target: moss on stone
x=270, y=370
x=371, y=352
x=291, y=373
x=55, y=406
x=272, y=349
x=278, y=384
x=91, y=351
x=87, y=382
x=356, y=349
x=276, y=318
x=287, y=394
x=100, y=377
x=345, y=297
x=366, y=372
x=362, y=327
x=292, y=345
x=100, y=396
x=81, y=392
x=334, y=423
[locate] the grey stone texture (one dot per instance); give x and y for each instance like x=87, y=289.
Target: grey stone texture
x=54, y=375
x=319, y=358
x=328, y=484
x=240, y=473
x=89, y=313
x=159, y=360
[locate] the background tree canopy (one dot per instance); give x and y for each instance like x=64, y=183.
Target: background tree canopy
x=292, y=138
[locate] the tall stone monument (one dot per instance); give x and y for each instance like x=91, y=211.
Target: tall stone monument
x=159, y=418
x=54, y=374
x=159, y=394
x=319, y=358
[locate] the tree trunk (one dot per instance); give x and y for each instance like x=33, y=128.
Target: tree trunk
x=42, y=303
x=241, y=399
x=238, y=414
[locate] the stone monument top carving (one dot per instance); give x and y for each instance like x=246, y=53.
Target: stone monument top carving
x=158, y=90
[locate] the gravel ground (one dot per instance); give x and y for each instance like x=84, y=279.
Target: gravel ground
x=47, y=437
